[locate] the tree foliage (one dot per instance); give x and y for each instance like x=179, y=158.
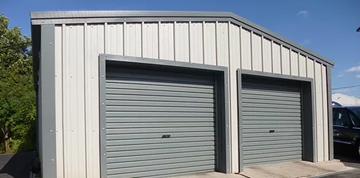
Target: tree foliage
x=17, y=95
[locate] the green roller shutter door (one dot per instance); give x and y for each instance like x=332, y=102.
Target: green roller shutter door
x=159, y=124
x=271, y=119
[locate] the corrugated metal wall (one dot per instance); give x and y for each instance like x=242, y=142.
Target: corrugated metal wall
x=214, y=43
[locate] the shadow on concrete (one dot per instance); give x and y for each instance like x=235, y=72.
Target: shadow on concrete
x=346, y=154
x=16, y=165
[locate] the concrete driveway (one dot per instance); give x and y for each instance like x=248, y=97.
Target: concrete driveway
x=343, y=154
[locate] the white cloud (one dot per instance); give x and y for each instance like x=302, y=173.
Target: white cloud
x=306, y=42
x=303, y=13
x=354, y=69
x=340, y=75
x=343, y=90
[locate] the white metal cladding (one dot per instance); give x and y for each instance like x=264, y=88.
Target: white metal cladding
x=219, y=43
x=271, y=121
x=159, y=124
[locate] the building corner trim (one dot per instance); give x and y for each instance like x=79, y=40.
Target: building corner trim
x=48, y=118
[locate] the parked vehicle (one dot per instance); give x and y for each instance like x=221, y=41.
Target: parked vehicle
x=334, y=103
x=346, y=121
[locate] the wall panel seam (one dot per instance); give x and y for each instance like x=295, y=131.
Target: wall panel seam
x=281, y=59
x=85, y=105
x=290, y=67
x=251, y=50
x=262, y=54
x=272, y=56
x=298, y=58
x=62, y=77
x=240, y=48
x=124, y=38
x=189, y=36
x=159, y=38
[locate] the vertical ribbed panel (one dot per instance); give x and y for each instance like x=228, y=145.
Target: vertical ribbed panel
x=210, y=43
x=115, y=39
x=166, y=41
x=310, y=68
x=94, y=45
x=302, y=66
x=150, y=40
x=74, y=103
x=158, y=124
x=325, y=113
x=319, y=112
x=285, y=56
x=233, y=66
x=132, y=42
x=294, y=64
x=245, y=49
x=196, y=43
x=223, y=44
x=59, y=101
x=267, y=63
x=182, y=42
x=256, y=52
x=276, y=58
x=271, y=121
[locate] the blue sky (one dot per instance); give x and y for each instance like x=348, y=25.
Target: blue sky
x=327, y=27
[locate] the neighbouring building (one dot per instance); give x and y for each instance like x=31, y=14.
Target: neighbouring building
x=345, y=100
x=149, y=93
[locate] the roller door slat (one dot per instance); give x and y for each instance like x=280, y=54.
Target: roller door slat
x=159, y=130
x=254, y=139
x=158, y=146
x=270, y=127
x=272, y=114
x=158, y=114
x=266, y=130
x=271, y=93
x=270, y=118
x=157, y=135
x=271, y=110
x=271, y=159
x=157, y=119
x=174, y=99
x=158, y=125
x=159, y=162
x=165, y=173
x=270, y=102
x=271, y=106
x=156, y=141
x=158, y=83
x=267, y=155
x=266, y=97
x=157, y=93
x=160, y=151
x=125, y=86
x=159, y=156
x=159, y=103
x=124, y=171
x=275, y=134
x=277, y=147
x=271, y=122
x=272, y=151
x=271, y=142
x=157, y=109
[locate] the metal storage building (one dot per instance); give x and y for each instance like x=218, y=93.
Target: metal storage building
x=148, y=93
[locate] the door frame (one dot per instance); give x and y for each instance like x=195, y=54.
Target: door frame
x=222, y=137
x=309, y=152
